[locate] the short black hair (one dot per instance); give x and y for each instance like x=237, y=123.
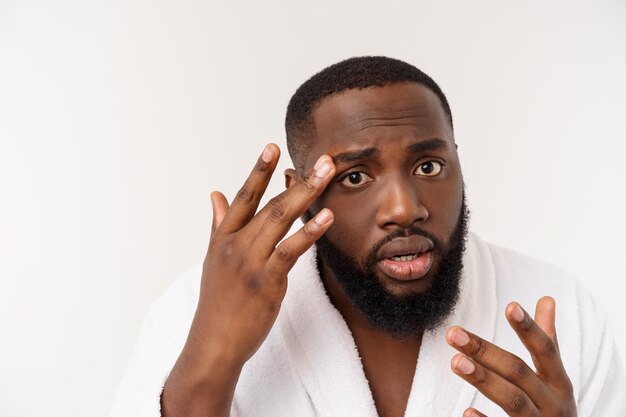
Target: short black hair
x=353, y=73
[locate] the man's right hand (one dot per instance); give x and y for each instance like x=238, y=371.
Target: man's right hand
x=244, y=281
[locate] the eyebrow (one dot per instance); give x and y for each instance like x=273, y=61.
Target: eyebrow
x=434, y=144
x=359, y=155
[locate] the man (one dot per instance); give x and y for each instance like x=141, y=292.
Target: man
x=367, y=321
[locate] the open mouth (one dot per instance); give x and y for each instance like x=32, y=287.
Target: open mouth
x=404, y=258
x=407, y=267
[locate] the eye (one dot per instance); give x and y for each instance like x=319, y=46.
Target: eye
x=355, y=179
x=429, y=168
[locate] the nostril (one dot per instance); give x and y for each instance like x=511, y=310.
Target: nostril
x=401, y=215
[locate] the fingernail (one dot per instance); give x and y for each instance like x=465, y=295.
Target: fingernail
x=319, y=162
x=459, y=337
x=465, y=366
x=322, y=167
x=267, y=154
x=323, y=217
x=517, y=314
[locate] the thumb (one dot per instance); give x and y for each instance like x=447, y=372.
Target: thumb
x=545, y=315
x=219, y=204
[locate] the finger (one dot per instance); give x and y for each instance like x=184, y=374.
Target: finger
x=507, y=396
x=276, y=218
x=219, y=204
x=247, y=199
x=472, y=412
x=543, y=349
x=505, y=364
x=545, y=316
x=289, y=250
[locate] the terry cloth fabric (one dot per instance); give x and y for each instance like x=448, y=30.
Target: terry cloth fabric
x=309, y=365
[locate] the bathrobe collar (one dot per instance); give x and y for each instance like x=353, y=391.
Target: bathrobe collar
x=321, y=349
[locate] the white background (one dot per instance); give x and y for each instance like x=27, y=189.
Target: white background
x=117, y=118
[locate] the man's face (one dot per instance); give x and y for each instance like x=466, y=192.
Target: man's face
x=397, y=196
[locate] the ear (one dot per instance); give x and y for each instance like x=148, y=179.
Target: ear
x=291, y=177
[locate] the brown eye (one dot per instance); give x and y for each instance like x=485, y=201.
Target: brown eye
x=355, y=179
x=429, y=168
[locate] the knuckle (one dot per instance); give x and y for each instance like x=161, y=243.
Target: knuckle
x=479, y=348
x=244, y=195
x=229, y=249
x=308, y=186
x=518, y=402
x=226, y=252
x=518, y=369
x=309, y=231
x=278, y=211
x=284, y=253
x=481, y=378
x=549, y=349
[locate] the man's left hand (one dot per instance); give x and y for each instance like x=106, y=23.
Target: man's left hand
x=505, y=378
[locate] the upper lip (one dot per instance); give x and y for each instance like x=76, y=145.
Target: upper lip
x=413, y=244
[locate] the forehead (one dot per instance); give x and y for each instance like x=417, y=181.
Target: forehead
x=378, y=116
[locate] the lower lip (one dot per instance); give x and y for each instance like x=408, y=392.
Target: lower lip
x=407, y=270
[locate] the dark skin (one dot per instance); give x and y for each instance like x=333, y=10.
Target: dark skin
x=382, y=159
x=393, y=192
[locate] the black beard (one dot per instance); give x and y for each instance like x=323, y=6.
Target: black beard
x=409, y=315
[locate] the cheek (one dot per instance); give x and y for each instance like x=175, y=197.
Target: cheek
x=353, y=226
x=444, y=210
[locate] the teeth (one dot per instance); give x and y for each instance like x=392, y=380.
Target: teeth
x=403, y=258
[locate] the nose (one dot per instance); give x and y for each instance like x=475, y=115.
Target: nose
x=400, y=205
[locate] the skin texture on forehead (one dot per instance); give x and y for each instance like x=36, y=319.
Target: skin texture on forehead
x=353, y=114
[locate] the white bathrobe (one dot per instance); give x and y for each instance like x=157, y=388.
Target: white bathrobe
x=309, y=365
